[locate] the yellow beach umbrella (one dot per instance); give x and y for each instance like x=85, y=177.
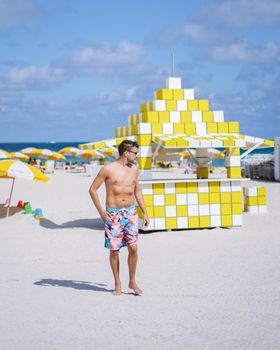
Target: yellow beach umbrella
x=110, y=152
x=19, y=155
x=4, y=154
x=31, y=151
x=17, y=169
x=49, y=154
x=69, y=151
x=89, y=154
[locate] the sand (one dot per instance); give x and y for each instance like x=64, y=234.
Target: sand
x=203, y=289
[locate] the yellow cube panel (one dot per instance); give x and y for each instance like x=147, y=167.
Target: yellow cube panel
x=148, y=199
x=203, y=198
x=207, y=116
x=182, y=210
x=157, y=128
x=168, y=143
x=236, y=208
x=178, y=128
x=164, y=117
x=190, y=128
x=226, y=209
x=225, y=197
x=212, y=128
x=170, y=199
x=178, y=94
x=269, y=143
x=202, y=173
x=186, y=117
x=262, y=200
x=204, y=221
x=139, y=212
x=233, y=127
x=144, y=140
x=261, y=191
x=150, y=117
x=171, y=223
x=236, y=197
x=222, y=127
x=214, y=198
x=158, y=188
x=228, y=143
x=181, y=142
x=234, y=172
x=203, y=105
x=150, y=212
x=236, y=151
x=134, y=129
x=226, y=220
x=143, y=107
x=193, y=221
x=164, y=94
x=251, y=200
x=214, y=186
x=192, y=187
x=192, y=105
x=144, y=163
x=171, y=105
x=181, y=187
x=159, y=212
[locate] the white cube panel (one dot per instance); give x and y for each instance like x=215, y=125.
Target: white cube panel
x=204, y=209
x=218, y=116
x=181, y=199
x=188, y=94
x=158, y=199
x=215, y=221
x=144, y=128
x=192, y=198
x=159, y=105
x=201, y=130
x=160, y=223
x=173, y=83
x=225, y=187
x=167, y=128
x=215, y=209
x=196, y=116
x=147, y=189
x=144, y=151
x=182, y=105
x=203, y=187
x=170, y=211
x=237, y=220
x=182, y=222
x=169, y=188
x=175, y=117
x=193, y=210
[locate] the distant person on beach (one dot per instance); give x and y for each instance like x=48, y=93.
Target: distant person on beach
x=120, y=217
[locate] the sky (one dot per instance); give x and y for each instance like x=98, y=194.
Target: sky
x=75, y=70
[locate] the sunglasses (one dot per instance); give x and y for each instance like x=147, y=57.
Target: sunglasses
x=135, y=153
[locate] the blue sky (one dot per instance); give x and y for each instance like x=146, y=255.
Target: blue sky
x=75, y=70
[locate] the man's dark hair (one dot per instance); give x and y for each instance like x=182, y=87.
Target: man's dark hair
x=126, y=145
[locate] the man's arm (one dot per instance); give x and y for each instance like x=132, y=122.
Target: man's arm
x=100, y=178
x=140, y=200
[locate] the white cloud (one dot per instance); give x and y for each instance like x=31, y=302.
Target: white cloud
x=243, y=52
x=104, y=58
x=33, y=77
x=14, y=13
x=241, y=13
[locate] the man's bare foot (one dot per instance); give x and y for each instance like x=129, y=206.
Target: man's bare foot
x=135, y=288
x=117, y=290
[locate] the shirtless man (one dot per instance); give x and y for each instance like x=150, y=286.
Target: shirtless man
x=120, y=217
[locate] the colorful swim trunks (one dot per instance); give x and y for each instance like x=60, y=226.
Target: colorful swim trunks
x=121, y=227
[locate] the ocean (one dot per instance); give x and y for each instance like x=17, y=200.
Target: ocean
x=12, y=147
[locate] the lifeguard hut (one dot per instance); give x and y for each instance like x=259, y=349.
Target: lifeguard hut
x=175, y=121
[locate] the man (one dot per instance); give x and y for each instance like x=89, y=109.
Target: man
x=120, y=216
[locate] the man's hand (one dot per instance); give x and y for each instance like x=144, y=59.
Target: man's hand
x=146, y=221
x=103, y=215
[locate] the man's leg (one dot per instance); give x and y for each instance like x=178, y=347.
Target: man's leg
x=115, y=265
x=132, y=263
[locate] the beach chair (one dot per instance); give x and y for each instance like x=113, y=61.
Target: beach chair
x=49, y=167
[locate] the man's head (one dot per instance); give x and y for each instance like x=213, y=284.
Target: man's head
x=128, y=149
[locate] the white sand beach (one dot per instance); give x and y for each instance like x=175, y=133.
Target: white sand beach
x=203, y=289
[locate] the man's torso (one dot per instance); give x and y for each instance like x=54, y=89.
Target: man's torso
x=120, y=185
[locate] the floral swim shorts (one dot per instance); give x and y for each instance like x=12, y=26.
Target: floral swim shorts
x=121, y=227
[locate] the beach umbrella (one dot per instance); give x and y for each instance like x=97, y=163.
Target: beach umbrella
x=17, y=169
x=69, y=151
x=4, y=154
x=89, y=154
x=110, y=152
x=31, y=151
x=49, y=154
x=19, y=155
x=215, y=153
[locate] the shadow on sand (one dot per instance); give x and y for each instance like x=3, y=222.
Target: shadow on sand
x=80, y=285
x=94, y=224
x=3, y=211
